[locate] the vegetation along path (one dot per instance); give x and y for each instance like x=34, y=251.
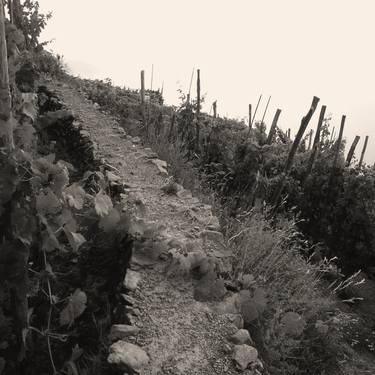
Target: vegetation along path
x=175, y=325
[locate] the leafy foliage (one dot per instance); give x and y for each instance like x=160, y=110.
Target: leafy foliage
x=75, y=307
x=31, y=22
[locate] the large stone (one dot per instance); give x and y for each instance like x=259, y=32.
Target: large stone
x=243, y=355
x=161, y=165
x=242, y=336
x=132, y=279
x=127, y=355
x=121, y=331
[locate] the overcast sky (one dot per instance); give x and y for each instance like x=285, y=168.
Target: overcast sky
x=290, y=49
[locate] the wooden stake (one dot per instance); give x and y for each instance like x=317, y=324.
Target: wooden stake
x=338, y=142
x=273, y=126
x=288, y=133
x=172, y=126
x=288, y=165
x=6, y=131
x=352, y=150
x=142, y=87
x=250, y=121
x=191, y=82
x=10, y=8
x=198, y=108
x=363, y=152
x=315, y=147
x=256, y=109
x=310, y=139
x=332, y=135
x=214, y=106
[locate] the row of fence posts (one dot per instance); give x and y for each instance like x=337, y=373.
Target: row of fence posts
x=314, y=146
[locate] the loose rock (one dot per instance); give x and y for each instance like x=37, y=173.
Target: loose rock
x=121, y=331
x=243, y=355
x=241, y=337
x=132, y=279
x=161, y=165
x=127, y=355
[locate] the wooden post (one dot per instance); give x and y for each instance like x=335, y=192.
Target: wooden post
x=191, y=82
x=273, y=126
x=198, y=91
x=352, y=150
x=17, y=14
x=310, y=139
x=256, y=109
x=289, y=162
x=10, y=9
x=363, y=152
x=338, y=142
x=6, y=131
x=250, y=120
x=214, y=106
x=315, y=147
x=332, y=135
x=142, y=87
x=265, y=110
x=288, y=133
x=172, y=126
x=197, y=125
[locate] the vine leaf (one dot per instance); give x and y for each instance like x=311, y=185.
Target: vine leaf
x=74, y=195
x=103, y=204
x=109, y=222
x=25, y=135
x=29, y=105
x=50, y=242
x=8, y=179
x=47, y=202
x=67, y=221
x=75, y=239
x=23, y=224
x=44, y=167
x=75, y=307
x=60, y=180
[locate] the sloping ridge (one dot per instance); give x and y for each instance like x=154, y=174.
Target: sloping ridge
x=174, y=330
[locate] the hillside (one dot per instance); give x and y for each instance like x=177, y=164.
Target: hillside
x=143, y=238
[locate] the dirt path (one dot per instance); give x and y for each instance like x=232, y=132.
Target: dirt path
x=179, y=334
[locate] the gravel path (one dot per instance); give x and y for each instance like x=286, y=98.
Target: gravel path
x=179, y=334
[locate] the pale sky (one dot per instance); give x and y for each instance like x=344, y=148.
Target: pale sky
x=290, y=49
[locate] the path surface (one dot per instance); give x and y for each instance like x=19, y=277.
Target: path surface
x=179, y=334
